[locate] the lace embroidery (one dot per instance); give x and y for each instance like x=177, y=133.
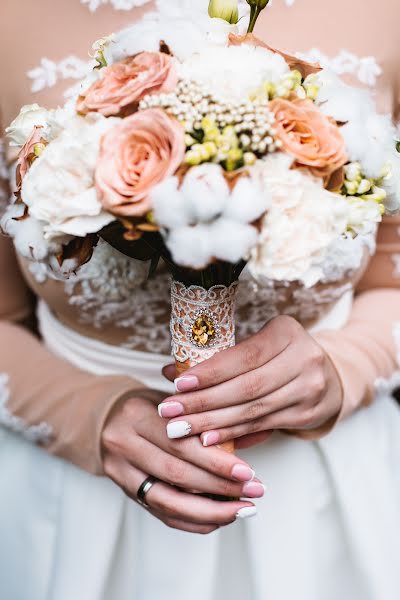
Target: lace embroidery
x=3, y=179
x=113, y=291
x=384, y=388
x=366, y=69
x=287, y=2
x=93, y=5
x=202, y=321
x=396, y=265
x=49, y=72
x=37, y=434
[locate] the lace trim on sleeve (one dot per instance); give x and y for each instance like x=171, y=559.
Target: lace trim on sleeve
x=37, y=434
x=93, y=5
x=4, y=190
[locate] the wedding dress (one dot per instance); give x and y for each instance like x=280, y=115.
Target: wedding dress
x=329, y=525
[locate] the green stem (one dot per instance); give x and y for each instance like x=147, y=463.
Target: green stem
x=254, y=14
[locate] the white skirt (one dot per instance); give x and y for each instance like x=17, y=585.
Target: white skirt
x=328, y=528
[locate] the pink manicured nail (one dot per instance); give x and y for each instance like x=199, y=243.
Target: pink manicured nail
x=242, y=473
x=253, y=489
x=210, y=438
x=169, y=410
x=186, y=383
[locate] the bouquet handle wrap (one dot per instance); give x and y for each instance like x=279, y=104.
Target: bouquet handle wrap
x=202, y=324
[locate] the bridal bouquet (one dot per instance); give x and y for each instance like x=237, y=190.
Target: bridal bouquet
x=211, y=154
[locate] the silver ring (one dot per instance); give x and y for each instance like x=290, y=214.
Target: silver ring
x=144, y=490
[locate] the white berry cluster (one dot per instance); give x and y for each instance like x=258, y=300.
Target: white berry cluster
x=252, y=121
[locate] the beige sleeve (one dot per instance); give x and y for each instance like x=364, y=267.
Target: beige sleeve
x=43, y=394
x=365, y=349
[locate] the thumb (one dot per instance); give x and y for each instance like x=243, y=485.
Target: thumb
x=169, y=372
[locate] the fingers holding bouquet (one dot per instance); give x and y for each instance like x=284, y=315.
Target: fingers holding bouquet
x=278, y=379
x=135, y=446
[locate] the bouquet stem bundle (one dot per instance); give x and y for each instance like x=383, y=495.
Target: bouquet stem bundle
x=202, y=324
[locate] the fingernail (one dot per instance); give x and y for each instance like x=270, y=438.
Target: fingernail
x=178, y=429
x=186, y=383
x=242, y=473
x=253, y=489
x=210, y=439
x=169, y=410
x=246, y=513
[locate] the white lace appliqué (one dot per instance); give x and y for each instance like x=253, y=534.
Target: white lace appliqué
x=113, y=289
x=37, y=434
x=366, y=68
x=384, y=388
x=49, y=72
x=3, y=179
x=93, y=5
x=396, y=265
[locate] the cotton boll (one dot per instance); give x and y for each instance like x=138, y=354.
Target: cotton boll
x=206, y=191
x=340, y=101
x=28, y=234
x=369, y=141
x=247, y=202
x=191, y=246
x=171, y=209
x=232, y=241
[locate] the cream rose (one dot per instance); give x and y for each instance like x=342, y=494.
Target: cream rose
x=301, y=223
x=59, y=187
x=30, y=116
x=137, y=154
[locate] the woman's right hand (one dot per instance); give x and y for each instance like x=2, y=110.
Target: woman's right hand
x=135, y=446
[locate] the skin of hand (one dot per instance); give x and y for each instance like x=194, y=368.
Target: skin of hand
x=135, y=445
x=280, y=378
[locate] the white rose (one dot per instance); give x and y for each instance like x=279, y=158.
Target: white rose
x=21, y=128
x=59, y=187
x=301, y=223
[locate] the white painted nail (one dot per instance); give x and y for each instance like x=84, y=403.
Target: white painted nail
x=247, y=512
x=178, y=429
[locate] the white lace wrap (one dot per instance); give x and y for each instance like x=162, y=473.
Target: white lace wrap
x=216, y=306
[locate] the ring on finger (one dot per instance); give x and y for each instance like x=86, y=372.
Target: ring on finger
x=144, y=490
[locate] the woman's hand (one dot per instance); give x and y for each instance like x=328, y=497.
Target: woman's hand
x=135, y=445
x=278, y=379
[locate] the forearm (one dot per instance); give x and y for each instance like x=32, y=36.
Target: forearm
x=52, y=402
x=365, y=349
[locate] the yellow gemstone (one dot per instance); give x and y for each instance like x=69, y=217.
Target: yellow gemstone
x=203, y=330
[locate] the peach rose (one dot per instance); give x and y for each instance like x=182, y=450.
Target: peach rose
x=125, y=83
x=135, y=155
x=27, y=154
x=307, y=134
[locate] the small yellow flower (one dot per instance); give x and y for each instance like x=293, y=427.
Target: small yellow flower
x=38, y=148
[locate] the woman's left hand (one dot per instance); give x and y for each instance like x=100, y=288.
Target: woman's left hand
x=280, y=378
